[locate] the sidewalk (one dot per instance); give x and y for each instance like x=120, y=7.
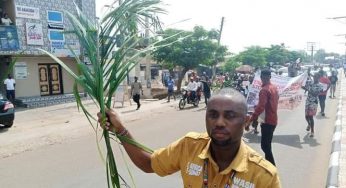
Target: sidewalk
x=337, y=163
x=342, y=157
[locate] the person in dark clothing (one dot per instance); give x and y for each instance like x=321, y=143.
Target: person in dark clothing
x=268, y=103
x=333, y=80
x=206, y=91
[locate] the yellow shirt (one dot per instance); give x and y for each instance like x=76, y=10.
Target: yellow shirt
x=188, y=154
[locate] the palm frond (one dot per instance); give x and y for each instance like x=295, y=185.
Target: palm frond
x=109, y=64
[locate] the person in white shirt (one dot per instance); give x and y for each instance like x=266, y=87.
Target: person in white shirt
x=6, y=20
x=136, y=90
x=10, y=84
x=192, y=87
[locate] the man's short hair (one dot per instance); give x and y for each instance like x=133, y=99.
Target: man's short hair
x=234, y=94
x=266, y=72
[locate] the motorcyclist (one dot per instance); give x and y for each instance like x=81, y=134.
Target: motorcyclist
x=192, y=88
x=199, y=87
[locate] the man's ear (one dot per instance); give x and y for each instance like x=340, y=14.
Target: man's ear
x=247, y=119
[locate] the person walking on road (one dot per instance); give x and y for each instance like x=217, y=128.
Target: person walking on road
x=333, y=80
x=217, y=158
x=10, y=85
x=136, y=90
x=322, y=96
x=268, y=103
x=206, y=91
x=311, y=103
x=170, y=87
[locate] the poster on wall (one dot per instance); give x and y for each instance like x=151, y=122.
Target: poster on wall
x=21, y=70
x=63, y=49
x=34, y=34
x=27, y=12
x=9, y=38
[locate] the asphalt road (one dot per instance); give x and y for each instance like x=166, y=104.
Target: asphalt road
x=75, y=162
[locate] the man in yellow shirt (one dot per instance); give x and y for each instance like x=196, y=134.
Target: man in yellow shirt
x=218, y=158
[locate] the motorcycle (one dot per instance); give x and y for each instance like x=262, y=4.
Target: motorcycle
x=187, y=98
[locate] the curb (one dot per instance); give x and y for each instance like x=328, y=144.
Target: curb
x=334, y=165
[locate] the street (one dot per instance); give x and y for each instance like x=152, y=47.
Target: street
x=66, y=155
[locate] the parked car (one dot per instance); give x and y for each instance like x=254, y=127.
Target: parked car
x=6, y=112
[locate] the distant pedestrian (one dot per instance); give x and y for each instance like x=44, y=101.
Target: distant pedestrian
x=170, y=87
x=10, y=85
x=136, y=90
x=333, y=80
x=206, y=90
x=268, y=103
x=322, y=96
x=311, y=103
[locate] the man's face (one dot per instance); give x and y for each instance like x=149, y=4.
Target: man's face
x=9, y=35
x=225, y=120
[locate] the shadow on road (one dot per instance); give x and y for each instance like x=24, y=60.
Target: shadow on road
x=201, y=109
x=311, y=141
x=3, y=129
x=188, y=108
x=128, y=111
x=319, y=116
x=289, y=140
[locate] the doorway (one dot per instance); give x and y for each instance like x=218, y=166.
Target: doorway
x=50, y=79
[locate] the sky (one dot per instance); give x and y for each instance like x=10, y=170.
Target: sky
x=261, y=22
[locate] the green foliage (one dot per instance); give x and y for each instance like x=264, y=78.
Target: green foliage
x=278, y=54
x=188, y=49
x=109, y=65
x=320, y=56
x=254, y=56
x=230, y=65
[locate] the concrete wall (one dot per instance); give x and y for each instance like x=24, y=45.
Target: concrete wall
x=30, y=86
x=87, y=6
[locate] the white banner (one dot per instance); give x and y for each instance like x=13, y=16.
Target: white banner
x=291, y=94
x=27, y=12
x=34, y=34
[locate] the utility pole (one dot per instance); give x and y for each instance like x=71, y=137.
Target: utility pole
x=310, y=47
x=218, y=44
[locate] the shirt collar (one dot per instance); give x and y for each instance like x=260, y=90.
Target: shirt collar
x=239, y=163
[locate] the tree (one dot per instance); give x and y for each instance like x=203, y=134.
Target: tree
x=320, y=56
x=278, y=54
x=186, y=49
x=230, y=65
x=254, y=56
x=299, y=54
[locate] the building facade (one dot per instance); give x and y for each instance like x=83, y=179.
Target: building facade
x=40, y=24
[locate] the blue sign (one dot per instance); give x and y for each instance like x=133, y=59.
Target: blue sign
x=56, y=35
x=55, y=16
x=9, y=38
